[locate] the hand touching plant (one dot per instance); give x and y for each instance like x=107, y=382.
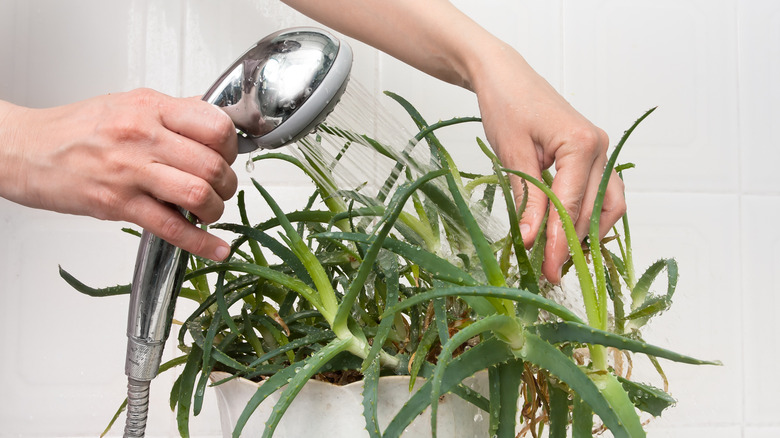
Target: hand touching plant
x=529, y=125
x=535, y=132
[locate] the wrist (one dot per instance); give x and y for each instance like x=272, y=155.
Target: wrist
x=495, y=63
x=10, y=151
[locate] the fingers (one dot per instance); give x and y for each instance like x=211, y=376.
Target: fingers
x=531, y=127
x=557, y=251
x=580, y=165
x=522, y=157
x=173, y=186
x=201, y=122
x=185, y=161
x=169, y=224
x=193, y=159
x=535, y=206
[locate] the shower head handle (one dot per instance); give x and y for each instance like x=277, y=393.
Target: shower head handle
x=275, y=93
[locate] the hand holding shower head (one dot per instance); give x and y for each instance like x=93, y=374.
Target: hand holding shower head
x=275, y=93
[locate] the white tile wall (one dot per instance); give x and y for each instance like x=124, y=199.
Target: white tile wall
x=760, y=240
x=762, y=432
x=704, y=321
x=759, y=27
x=622, y=58
x=60, y=55
x=706, y=189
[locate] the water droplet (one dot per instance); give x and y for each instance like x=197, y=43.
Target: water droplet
x=250, y=163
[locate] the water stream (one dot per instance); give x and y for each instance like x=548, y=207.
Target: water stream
x=344, y=149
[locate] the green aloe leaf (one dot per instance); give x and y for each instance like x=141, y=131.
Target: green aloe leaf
x=499, y=324
x=217, y=354
x=651, y=307
x=438, y=267
x=238, y=289
x=480, y=357
x=188, y=375
x=222, y=305
x=590, y=296
x=370, y=394
x=173, y=399
x=429, y=337
x=575, y=248
x=303, y=373
x=327, y=297
x=440, y=319
x=428, y=131
x=593, y=233
x=93, y=292
x=313, y=216
x=529, y=277
x=509, y=377
x=521, y=296
x=314, y=338
x=382, y=332
x=484, y=251
x=639, y=294
x=388, y=220
x=207, y=362
x=257, y=253
x=647, y=398
x=389, y=266
x=566, y=331
x=269, y=386
x=269, y=274
x=559, y=410
x=614, y=289
x=595, y=388
x=620, y=265
x=284, y=253
x=581, y=419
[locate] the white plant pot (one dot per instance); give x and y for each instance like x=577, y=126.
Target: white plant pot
x=325, y=410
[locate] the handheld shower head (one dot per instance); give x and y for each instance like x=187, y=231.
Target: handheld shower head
x=283, y=87
x=275, y=93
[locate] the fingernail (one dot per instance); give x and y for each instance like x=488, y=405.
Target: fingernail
x=525, y=229
x=221, y=252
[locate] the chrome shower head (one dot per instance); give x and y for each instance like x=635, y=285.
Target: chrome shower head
x=283, y=87
x=275, y=93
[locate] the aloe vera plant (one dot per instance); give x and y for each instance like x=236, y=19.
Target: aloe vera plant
x=409, y=281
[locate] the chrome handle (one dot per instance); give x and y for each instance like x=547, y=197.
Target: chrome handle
x=158, y=277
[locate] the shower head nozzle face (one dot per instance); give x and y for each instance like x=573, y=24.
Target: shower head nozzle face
x=283, y=87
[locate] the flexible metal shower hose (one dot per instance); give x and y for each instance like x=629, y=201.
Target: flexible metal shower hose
x=137, y=408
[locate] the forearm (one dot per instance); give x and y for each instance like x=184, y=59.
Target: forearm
x=432, y=36
x=528, y=123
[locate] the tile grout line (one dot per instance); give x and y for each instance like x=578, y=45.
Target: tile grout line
x=740, y=220
x=182, y=43
x=562, y=46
